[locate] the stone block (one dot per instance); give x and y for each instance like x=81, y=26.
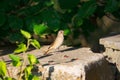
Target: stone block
x=78, y=64
x=71, y=64
x=112, y=42
x=112, y=51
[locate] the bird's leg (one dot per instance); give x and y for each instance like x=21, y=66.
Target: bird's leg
x=46, y=52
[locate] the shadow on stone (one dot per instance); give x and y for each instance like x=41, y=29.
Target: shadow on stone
x=98, y=49
x=44, y=56
x=51, y=69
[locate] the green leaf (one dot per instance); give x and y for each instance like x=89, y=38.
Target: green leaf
x=67, y=31
x=15, y=59
x=28, y=72
x=40, y=29
x=51, y=18
x=8, y=78
x=36, y=78
x=87, y=9
x=32, y=59
x=112, y=5
x=35, y=43
x=21, y=48
x=25, y=34
x=3, y=69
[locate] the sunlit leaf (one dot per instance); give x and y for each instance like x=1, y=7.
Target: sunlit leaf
x=25, y=34
x=35, y=43
x=15, y=60
x=21, y=48
x=3, y=69
x=40, y=29
x=36, y=78
x=67, y=31
x=28, y=72
x=32, y=59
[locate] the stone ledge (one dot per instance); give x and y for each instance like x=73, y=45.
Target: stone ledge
x=111, y=42
x=80, y=64
x=73, y=64
x=112, y=51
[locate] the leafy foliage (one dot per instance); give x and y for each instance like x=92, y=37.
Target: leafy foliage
x=46, y=16
x=23, y=47
x=16, y=60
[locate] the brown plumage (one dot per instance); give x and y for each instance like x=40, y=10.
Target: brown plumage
x=58, y=41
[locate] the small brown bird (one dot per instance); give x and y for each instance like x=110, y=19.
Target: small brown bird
x=57, y=43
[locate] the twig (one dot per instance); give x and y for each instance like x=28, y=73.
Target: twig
x=22, y=66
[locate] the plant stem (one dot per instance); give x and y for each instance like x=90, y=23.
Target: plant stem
x=24, y=60
x=22, y=66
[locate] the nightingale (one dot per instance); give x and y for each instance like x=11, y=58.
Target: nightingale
x=57, y=43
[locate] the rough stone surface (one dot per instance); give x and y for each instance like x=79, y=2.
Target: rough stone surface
x=71, y=64
x=112, y=51
x=112, y=42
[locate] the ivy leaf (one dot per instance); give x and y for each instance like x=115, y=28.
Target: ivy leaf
x=3, y=69
x=25, y=34
x=21, y=48
x=39, y=29
x=32, y=59
x=15, y=59
x=35, y=43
